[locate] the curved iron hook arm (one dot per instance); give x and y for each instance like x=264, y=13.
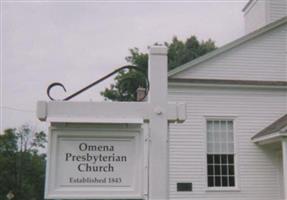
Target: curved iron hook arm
x=98, y=81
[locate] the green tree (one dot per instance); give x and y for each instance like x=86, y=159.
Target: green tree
x=22, y=166
x=179, y=52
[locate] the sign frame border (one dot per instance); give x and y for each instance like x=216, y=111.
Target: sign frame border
x=137, y=131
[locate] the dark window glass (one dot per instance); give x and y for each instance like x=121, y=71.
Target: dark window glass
x=231, y=169
x=231, y=181
x=220, y=174
x=217, y=159
x=230, y=159
x=217, y=169
x=223, y=159
x=217, y=181
x=224, y=169
x=210, y=158
x=224, y=181
x=210, y=170
x=210, y=181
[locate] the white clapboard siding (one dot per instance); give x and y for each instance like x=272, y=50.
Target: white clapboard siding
x=255, y=16
x=280, y=174
x=277, y=9
x=259, y=13
x=253, y=110
x=262, y=58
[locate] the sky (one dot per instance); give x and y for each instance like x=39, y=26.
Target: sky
x=78, y=42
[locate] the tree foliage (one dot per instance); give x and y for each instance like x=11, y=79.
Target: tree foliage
x=22, y=166
x=179, y=52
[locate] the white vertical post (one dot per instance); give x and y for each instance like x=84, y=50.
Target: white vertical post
x=284, y=160
x=158, y=174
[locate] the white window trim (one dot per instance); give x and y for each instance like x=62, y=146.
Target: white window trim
x=235, y=188
x=222, y=189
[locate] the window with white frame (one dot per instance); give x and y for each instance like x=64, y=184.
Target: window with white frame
x=220, y=153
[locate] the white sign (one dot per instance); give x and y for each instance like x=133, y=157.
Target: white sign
x=112, y=161
x=98, y=162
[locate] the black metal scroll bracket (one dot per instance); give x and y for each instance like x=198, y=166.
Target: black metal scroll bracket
x=98, y=81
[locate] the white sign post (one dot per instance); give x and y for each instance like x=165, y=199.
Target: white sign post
x=158, y=124
x=112, y=150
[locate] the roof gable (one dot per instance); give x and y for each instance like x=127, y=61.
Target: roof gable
x=227, y=47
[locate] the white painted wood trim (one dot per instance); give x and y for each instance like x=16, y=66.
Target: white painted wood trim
x=274, y=137
x=104, y=112
x=158, y=176
x=229, y=189
x=125, y=132
x=236, y=157
x=181, y=84
x=284, y=160
x=145, y=130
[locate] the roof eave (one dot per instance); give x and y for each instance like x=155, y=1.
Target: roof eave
x=225, y=82
x=268, y=139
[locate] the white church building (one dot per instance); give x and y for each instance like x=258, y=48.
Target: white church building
x=227, y=136
x=233, y=144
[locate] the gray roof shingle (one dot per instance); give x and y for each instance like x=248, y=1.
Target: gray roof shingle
x=272, y=128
